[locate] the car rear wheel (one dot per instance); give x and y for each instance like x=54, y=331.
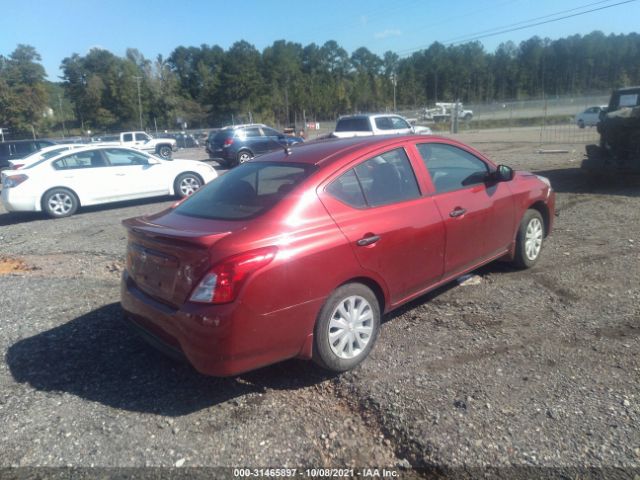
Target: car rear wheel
x=580, y=124
x=164, y=151
x=59, y=203
x=347, y=328
x=529, y=239
x=186, y=184
x=243, y=156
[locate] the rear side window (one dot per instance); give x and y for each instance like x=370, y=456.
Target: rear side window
x=381, y=180
x=452, y=168
x=353, y=124
x=127, y=137
x=79, y=160
x=246, y=191
x=384, y=123
x=346, y=188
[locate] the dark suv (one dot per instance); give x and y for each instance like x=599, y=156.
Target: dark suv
x=233, y=145
x=15, y=149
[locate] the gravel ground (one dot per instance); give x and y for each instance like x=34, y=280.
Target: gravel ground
x=524, y=369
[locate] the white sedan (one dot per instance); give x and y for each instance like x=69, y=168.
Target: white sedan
x=94, y=175
x=590, y=117
x=42, y=154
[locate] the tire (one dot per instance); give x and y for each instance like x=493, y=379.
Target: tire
x=60, y=203
x=186, y=184
x=333, y=347
x=468, y=117
x=243, y=156
x=165, y=151
x=580, y=124
x=529, y=239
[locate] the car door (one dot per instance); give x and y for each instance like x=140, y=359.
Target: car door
x=274, y=139
x=87, y=174
x=401, y=126
x=478, y=214
x=136, y=176
x=254, y=140
x=396, y=233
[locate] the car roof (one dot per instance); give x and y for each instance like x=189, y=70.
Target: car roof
x=244, y=125
x=327, y=151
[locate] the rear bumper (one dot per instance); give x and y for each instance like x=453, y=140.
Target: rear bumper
x=218, y=340
x=13, y=201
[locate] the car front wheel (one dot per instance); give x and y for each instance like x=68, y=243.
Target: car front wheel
x=59, y=203
x=186, y=184
x=347, y=328
x=164, y=151
x=529, y=239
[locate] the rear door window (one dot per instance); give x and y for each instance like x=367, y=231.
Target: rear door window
x=384, y=123
x=246, y=191
x=382, y=180
x=80, y=160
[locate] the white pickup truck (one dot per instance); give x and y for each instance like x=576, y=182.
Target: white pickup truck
x=442, y=112
x=142, y=141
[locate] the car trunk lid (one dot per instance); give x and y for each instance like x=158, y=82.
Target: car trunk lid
x=167, y=256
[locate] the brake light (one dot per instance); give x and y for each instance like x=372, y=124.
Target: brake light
x=224, y=281
x=16, y=166
x=11, y=181
x=228, y=141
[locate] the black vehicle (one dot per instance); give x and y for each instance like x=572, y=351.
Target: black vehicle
x=183, y=140
x=619, y=129
x=233, y=145
x=15, y=149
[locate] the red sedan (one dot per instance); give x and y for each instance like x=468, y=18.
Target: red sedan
x=298, y=253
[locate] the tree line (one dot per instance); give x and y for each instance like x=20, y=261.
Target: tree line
x=208, y=86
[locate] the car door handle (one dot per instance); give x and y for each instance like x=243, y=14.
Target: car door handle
x=120, y=174
x=371, y=239
x=457, y=212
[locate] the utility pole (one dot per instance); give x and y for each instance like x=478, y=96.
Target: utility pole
x=139, y=100
x=61, y=115
x=394, y=80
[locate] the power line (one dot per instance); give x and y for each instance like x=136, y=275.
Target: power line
x=463, y=37
x=507, y=29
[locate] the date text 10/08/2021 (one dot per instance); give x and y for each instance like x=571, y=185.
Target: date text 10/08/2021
x=315, y=472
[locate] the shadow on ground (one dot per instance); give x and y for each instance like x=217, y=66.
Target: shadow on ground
x=576, y=180
x=96, y=357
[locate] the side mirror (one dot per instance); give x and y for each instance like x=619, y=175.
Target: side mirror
x=503, y=174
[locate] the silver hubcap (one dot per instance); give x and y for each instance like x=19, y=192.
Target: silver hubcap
x=533, y=239
x=244, y=157
x=350, y=327
x=189, y=185
x=60, y=203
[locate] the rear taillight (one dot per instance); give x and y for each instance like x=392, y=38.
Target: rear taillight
x=223, y=282
x=228, y=141
x=16, y=166
x=11, y=181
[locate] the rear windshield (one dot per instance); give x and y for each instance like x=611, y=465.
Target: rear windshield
x=353, y=124
x=246, y=191
x=222, y=135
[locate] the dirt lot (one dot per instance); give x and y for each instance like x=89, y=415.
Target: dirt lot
x=527, y=368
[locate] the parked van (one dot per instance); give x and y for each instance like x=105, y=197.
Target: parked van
x=15, y=149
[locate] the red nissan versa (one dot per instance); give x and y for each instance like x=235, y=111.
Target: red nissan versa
x=298, y=253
